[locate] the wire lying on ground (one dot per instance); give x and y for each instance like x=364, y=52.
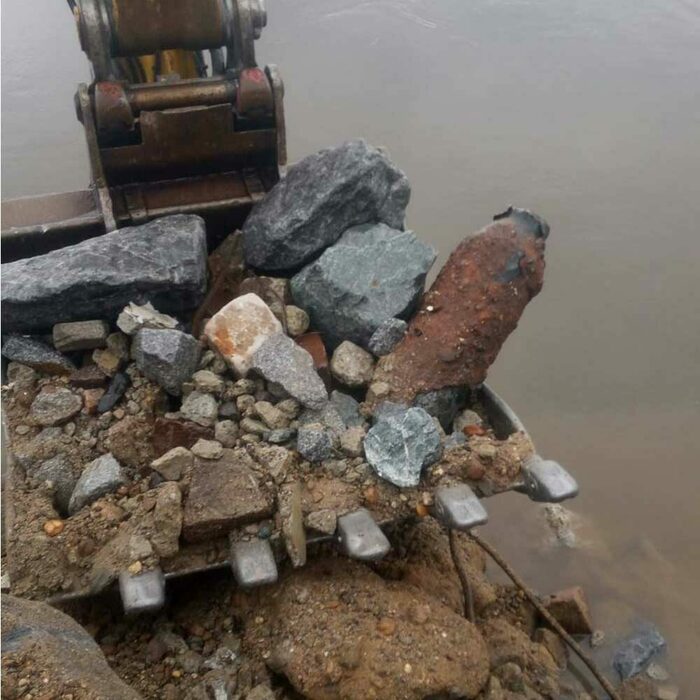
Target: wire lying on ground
x=568, y=639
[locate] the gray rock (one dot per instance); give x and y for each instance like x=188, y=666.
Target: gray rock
x=57, y=470
x=348, y=408
x=80, y=335
x=35, y=354
x=328, y=416
x=208, y=382
x=279, y=359
x=351, y=365
x=386, y=337
x=388, y=409
x=634, y=653
x=168, y=357
x=226, y=432
x=163, y=261
x=323, y=195
x=40, y=642
x=401, y=444
x=373, y=273
x=55, y=405
x=315, y=442
x=454, y=440
x=134, y=317
x=443, y=404
x=200, y=408
x=228, y=410
x=351, y=441
x=280, y=436
x=102, y=475
x=174, y=463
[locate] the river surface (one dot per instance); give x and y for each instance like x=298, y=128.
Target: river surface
x=588, y=112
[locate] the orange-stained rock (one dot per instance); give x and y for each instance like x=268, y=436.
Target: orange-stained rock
x=471, y=308
x=239, y=329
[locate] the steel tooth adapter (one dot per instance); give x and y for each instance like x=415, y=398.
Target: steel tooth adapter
x=547, y=481
x=143, y=592
x=360, y=537
x=459, y=508
x=253, y=563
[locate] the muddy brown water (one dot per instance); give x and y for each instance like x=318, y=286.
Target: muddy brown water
x=587, y=112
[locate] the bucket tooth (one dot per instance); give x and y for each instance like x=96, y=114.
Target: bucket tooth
x=459, y=508
x=547, y=481
x=360, y=537
x=143, y=592
x=253, y=563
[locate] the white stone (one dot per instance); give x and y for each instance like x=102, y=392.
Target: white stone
x=239, y=329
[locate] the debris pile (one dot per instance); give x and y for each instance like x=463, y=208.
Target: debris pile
x=160, y=416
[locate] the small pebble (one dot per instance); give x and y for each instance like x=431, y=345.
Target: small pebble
x=54, y=527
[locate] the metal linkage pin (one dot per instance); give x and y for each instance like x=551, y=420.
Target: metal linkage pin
x=458, y=507
x=547, y=481
x=143, y=592
x=360, y=537
x=253, y=563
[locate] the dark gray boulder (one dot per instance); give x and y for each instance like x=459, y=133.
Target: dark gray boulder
x=321, y=197
x=373, y=273
x=35, y=354
x=386, y=337
x=401, y=443
x=162, y=262
x=166, y=356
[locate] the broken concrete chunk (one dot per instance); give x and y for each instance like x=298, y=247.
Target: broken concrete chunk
x=200, y=408
x=373, y=273
x=470, y=310
x=224, y=494
x=168, y=357
x=174, y=463
x=55, y=405
x=164, y=261
x=386, y=337
x=35, y=354
x=292, y=522
x=208, y=382
x=279, y=359
x=103, y=475
x=239, y=329
x=315, y=442
x=570, y=609
x=322, y=196
x=80, y=335
x=401, y=443
x=351, y=365
x=134, y=317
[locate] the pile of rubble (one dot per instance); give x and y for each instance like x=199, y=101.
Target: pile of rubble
x=163, y=419
x=171, y=409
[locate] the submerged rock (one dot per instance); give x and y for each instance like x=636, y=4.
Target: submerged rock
x=239, y=329
x=372, y=274
x=633, y=654
x=401, y=443
x=323, y=195
x=470, y=310
x=168, y=357
x=163, y=261
x=35, y=354
x=103, y=475
x=279, y=359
